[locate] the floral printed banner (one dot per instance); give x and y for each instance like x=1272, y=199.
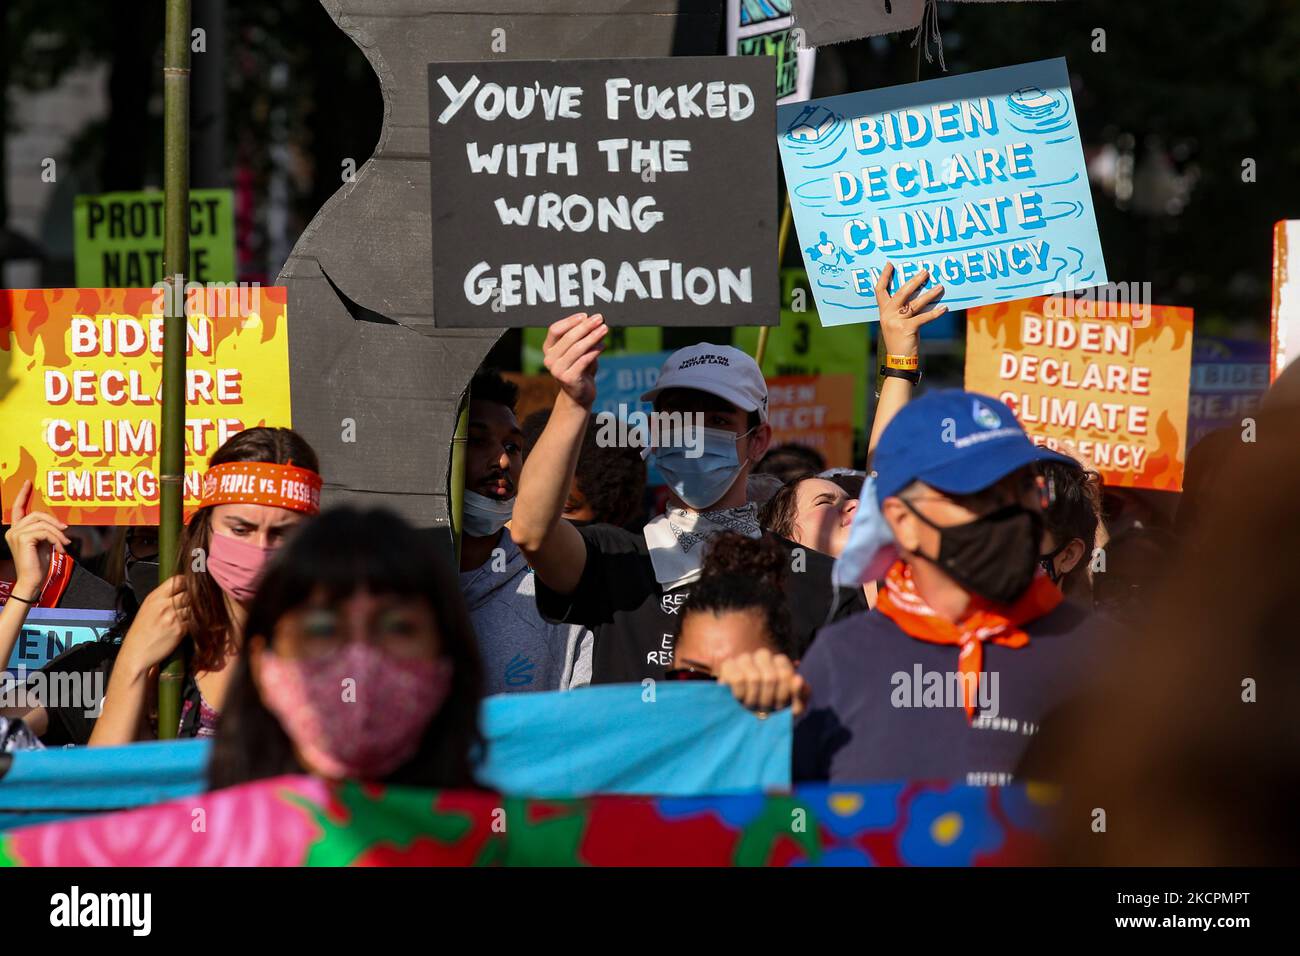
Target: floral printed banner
x=296, y=821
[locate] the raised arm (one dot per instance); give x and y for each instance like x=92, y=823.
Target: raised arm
x=32, y=538
x=552, y=546
x=159, y=626
x=900, y=326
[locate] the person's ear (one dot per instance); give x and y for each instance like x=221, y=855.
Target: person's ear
x=1069, y=559
x=759, y=441
x=901, y=522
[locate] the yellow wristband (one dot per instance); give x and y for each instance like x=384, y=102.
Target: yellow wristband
x=905, y=362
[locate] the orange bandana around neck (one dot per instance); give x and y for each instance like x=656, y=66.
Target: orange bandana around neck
x=262, y=483
x=984, y=621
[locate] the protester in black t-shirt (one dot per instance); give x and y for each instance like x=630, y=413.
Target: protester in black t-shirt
x=629, y=588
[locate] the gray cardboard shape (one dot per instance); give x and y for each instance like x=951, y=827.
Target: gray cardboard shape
x=838, y=21
x=362, y=342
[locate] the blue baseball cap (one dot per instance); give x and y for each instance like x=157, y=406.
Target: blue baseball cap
x=956, y=442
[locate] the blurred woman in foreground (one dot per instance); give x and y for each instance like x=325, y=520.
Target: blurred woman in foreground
x=359, y=663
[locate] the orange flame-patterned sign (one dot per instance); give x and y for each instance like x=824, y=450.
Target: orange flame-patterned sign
x=80, y=373
x=1099, y=381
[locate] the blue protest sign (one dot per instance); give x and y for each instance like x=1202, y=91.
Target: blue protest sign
x=979, y=178
x=620, y=382
x=1228, y=379
x=48, y=632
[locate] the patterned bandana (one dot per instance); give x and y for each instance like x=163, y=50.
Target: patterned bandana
x=672, y=538
x=742, y=520
x=984, y=621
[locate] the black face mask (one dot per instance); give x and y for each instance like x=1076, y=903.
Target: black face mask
x=995, y=556
x=1048, y=562
x=141, y=578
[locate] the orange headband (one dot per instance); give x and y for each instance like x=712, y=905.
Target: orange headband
x=262, y=483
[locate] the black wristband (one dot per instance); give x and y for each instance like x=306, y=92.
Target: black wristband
x=913, y=375
x=32, y=601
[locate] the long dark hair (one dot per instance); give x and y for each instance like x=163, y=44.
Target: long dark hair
x=210, y=624
x=338, y=553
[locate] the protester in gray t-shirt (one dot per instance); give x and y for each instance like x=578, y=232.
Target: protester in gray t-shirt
x=520, y=651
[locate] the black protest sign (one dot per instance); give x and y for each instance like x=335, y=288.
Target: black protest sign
x=641, y=188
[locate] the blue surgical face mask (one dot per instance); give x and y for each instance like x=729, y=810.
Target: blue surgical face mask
x=870, y=549
x=482, y=516
x=702, y=480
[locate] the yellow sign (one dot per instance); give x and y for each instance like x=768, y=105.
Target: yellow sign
x=80, y=379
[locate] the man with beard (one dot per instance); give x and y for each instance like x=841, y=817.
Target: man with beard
x=521, y=652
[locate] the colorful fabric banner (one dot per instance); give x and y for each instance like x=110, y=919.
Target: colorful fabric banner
x=53, y=784
x=978, y=178
x=1103, y=383
x=301, y=821
x=82, y=405
x=672, y=739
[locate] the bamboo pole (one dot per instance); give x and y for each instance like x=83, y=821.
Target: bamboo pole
x=176, y=253
x=782, y=236
x=458, y=443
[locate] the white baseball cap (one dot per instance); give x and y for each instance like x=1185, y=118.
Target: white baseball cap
x=720, y=370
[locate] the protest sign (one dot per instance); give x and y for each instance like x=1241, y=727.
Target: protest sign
x=1286, y=295
x=49, y=631
x=801, y=345
x=82, y=404
x=641, y=188
x=978, y=178
x=119, y=238
x=621, y=380
x=1228, y=380
x=1106, y=388
x=816, y=411
x=766, y=28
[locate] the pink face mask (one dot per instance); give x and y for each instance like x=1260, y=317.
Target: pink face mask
x=236, y=565
x=358, y=713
